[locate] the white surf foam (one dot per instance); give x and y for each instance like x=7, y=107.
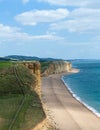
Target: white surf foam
x=80, y=100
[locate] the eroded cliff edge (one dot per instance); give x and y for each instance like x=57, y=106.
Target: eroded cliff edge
x=56, y=67
x=35, y=69
x=53, y=67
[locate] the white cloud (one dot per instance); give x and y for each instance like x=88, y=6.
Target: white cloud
x=25, y=1
x=86, y=13
x=84, y=18
x=47, y=37
x=80, y=3
x=14, y=34
x=11, y=33
x=66, y=2
x=80, y=20
x=37, y=16
x=81, y=26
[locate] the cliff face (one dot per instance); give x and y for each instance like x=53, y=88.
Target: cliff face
x=35, y=68
x=53, y=67
x=56, y=67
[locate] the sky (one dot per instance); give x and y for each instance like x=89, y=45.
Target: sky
x=68, y=29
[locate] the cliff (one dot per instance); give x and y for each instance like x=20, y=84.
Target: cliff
x=53, y=67
x=35, y=68
x=56, y=67
x=48, y=68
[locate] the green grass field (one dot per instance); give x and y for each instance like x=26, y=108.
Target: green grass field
x=30, y=115
x=11, y=97
x=8, y=107
x=6, y=64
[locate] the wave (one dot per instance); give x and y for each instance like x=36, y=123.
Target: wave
x=93, y=110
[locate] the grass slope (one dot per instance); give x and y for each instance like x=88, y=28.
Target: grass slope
x=11, y=97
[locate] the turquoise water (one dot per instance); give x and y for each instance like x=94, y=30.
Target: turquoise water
x=85, y=85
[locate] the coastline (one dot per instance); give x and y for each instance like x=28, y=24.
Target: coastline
x=79, y=100
x=64, y=106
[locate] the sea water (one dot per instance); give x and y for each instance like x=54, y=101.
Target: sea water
x=85, y=85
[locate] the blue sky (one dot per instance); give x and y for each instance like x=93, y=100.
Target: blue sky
x=50, y=28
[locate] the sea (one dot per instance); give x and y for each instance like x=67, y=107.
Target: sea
x=85, y=85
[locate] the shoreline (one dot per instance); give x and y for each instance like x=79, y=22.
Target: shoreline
x=91, y=109
x=64, y=106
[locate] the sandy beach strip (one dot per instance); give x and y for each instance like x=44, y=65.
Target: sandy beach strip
x=65, y=111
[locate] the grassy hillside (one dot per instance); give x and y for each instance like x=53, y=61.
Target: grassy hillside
x=9, y=84
x=20, y=106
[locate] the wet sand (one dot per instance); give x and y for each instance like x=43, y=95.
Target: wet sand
x=65, y=111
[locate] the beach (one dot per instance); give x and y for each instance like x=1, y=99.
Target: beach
x=65, y=111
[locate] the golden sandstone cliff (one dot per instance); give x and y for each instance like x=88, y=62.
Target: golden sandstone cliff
x=35, y=69
x=54, y=67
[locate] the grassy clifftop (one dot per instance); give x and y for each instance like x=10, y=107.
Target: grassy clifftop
x=20, y=92
x=20, y=106
x=9, y=84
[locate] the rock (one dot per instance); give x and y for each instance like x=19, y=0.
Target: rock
x=56, y=67
x=35, y=68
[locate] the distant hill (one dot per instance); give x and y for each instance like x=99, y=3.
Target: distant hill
x=29, y=58
x=20, y=58
x=4, y=59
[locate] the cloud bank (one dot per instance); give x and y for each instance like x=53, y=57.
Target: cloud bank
x=37, y=16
